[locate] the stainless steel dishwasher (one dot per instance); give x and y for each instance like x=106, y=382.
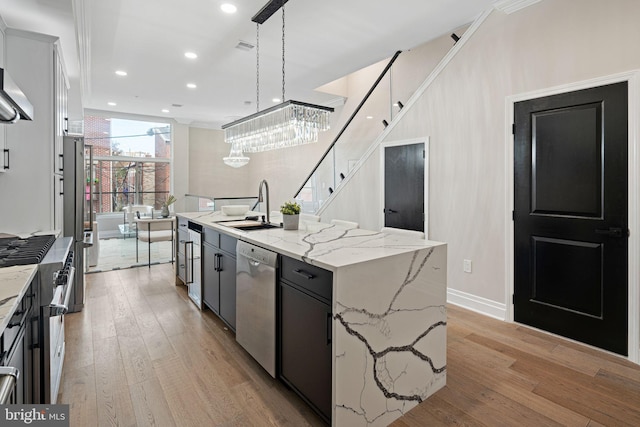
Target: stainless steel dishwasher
x=256, y=303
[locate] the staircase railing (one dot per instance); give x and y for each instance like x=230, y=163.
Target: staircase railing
x=350, y=142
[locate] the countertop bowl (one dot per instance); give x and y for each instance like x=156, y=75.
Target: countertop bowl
x=235, y=210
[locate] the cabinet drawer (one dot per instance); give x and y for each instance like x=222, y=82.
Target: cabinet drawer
x=13, y=327
x=314, y=279
x=228, y=243
x=212, y=237
x=183, y=236
x=27, y=300
x=183, y=223
x=181, y=267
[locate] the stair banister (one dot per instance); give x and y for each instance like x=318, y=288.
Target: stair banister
x=353, y=115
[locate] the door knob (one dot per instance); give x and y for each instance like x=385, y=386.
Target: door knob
x=613, y=232
x=390, y=211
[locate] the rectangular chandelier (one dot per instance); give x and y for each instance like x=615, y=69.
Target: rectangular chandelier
x=287, y=124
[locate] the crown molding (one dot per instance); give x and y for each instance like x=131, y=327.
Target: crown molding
x=31, y=35
x=510, y=6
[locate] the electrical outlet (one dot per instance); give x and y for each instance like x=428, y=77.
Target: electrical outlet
x=466, y=265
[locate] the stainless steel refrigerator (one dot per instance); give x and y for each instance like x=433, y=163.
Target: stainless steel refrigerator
x=77, y=221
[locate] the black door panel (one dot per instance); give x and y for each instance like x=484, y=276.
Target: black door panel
x=571, y=255
x=566, y=145
x=404, y=187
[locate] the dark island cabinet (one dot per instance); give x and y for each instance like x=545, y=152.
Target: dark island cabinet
x=17, y=343
x=219, y=275
x=210, y=278
x=305, y=322
x=227, y=270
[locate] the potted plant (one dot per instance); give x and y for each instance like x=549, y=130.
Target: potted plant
x=290, y=214
x=171, y=199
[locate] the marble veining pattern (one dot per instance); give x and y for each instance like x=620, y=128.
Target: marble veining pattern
x=392, y=353
x=389, y=312
x=14, y=282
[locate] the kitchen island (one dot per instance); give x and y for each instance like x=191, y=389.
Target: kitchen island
x=388, y=316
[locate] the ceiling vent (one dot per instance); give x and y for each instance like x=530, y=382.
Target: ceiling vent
x=242, y=45
x=176, y=105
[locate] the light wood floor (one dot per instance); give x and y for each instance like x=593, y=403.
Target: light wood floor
x=142, y=354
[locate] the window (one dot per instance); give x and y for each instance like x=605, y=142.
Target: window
x=131, y=162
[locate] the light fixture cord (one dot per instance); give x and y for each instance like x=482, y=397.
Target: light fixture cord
x=257, y=67
x=282, y=53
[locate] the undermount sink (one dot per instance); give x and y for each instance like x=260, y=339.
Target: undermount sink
x=248, y=225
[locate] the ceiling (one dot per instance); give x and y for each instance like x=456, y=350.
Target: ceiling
x=324, y=40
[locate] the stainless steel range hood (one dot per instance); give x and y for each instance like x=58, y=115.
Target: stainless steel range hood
x=14, y=105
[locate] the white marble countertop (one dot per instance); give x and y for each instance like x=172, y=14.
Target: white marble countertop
x=325, y=245
x=14, y=282
x=26, y=234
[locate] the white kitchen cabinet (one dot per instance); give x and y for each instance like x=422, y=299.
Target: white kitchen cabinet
x=35, y=63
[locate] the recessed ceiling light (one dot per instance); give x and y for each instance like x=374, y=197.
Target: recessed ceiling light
x=395, y=104
x=369, y=117
x=191, y=85
x=121, y=73
x=113, y=104
x=191, y=55
x=164, y=110
x=276, y=100
x=228, y=8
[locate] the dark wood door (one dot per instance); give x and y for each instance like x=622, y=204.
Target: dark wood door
x=571, y=228
x=404, y=186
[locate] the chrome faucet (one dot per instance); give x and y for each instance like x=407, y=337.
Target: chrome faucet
x=261, y=199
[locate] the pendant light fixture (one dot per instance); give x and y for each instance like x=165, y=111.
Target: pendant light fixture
x=287, y=124
x=235, y=159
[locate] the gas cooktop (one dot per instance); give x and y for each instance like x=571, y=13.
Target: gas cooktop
x=16, y=251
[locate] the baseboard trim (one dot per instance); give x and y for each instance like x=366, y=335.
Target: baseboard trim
x=478, y=304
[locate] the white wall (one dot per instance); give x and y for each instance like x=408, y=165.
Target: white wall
x=180, y=178
x=208, y=175
x=550, y=43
